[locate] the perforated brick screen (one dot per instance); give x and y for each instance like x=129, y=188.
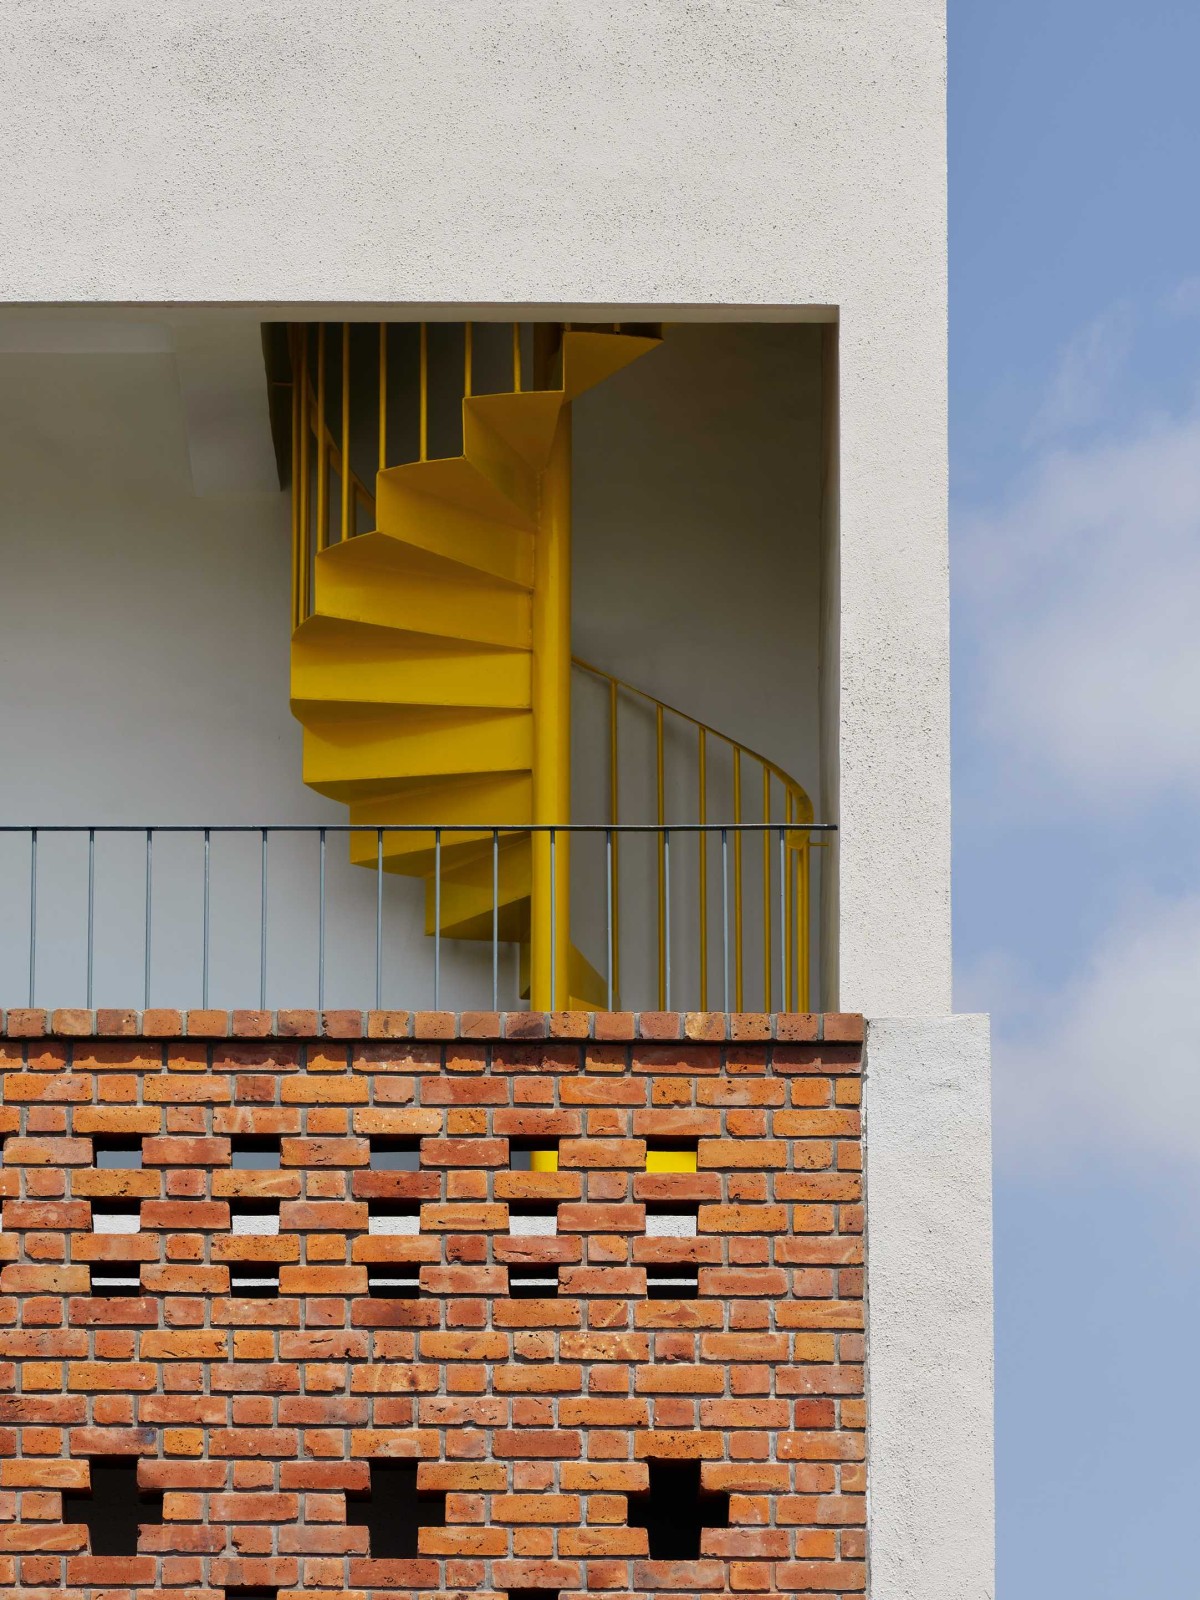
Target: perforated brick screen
x=261, y=1253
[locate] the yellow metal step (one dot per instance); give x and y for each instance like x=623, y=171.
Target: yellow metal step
x=453, y=532
x=498, y=798
x=589, y=358
x=526, y=421
x=391, y=592
x=364, y=668
x=350, y=759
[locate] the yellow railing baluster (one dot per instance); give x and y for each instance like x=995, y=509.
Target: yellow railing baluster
x=766, y=890
x=346, y=531
x=424, y=393
x=468, y=357
x=662, y=857
x=322, y=447
x=516, y=355
x=737, y=879
x=383, y=377
x=614, y=812
x=702, y=892
x=305, y=470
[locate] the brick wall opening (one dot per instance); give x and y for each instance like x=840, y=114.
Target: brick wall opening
x=113, y=1507
x=558, y=1411
x=393, y=1511
x=676, y=1512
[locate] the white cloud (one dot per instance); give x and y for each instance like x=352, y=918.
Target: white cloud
x=1086, y=377
x=1082, y=602
x=1109, y=1065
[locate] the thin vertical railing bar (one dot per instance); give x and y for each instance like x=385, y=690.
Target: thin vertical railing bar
x=437, y=918
x=783, y=920
x=262, y=926
x=789, y=999
x=766, y=891
x=608, y=919
x=91, y=924
x=423, y=388
x=660, y=817
x=379, y=919
x=724, y=919
x=614, y=817
x=33, y=841
x=321, y=924
x=149, y=913
x=322, y=447
x=383, y=380
x=298, y=399
x=666, y=858
x=348, y=503
x=553, y=921
x=804, y=889
x=516, y=357
x=702, y=845
x=207, y=923
x=495, y=918
x=304, y=517
x=738, y=954
x=468, y=358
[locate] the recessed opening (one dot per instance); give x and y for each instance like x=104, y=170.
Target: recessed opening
x=116, y=1278
x=392, y=1217
x=255, y=1153
x=254, y=1218
x=254, y=1280
x=533, y=1219
x=533, y=1155
x=393, y=1512
x=113, y=1507
x=250, y=1594
x=672, y=1221
x=533, y=1282
x=534, y=1594
x=395, y=1154
x=394, y=1283
x=124, y=1155
x=671, y=1282
x=115, y=1216
x=671, y=1155
x=676, y=1511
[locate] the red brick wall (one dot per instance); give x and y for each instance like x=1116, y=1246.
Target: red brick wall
x=538, y=1416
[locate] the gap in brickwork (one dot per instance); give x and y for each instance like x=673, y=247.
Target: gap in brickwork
x=671, y=1220
x=251, y=1594
x=119, y=1155
x=394, y=1283
x=254, y=1280
x=253, y=1218
x=393, y=1512
x=395, y=1154
x=248, y=1153
x=675, y=1512
x=114, y=1507
x=534, y=1282
x=534, y=1594
x=672, y=1282
x=522, y=1151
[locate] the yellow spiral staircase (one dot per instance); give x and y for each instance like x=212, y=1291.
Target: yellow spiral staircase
x=431, y=655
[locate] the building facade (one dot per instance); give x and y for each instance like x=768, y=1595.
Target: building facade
x=483, y=1107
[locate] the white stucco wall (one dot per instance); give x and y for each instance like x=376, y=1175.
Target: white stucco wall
x=929, y=1309
x=769, y=158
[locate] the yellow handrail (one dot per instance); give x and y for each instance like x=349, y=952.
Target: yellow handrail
x=786, y=948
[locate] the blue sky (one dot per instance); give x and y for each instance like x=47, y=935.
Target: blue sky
x=1075, y=405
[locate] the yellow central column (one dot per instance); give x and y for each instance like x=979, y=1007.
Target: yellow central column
x=550, y=937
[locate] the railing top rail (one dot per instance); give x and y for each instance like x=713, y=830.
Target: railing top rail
x=793, y=785
x=418, y=827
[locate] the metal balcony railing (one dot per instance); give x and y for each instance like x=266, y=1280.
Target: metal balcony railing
x=271, y=916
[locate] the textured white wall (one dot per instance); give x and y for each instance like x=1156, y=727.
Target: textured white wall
x=540, y=153
x=929, y=1320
